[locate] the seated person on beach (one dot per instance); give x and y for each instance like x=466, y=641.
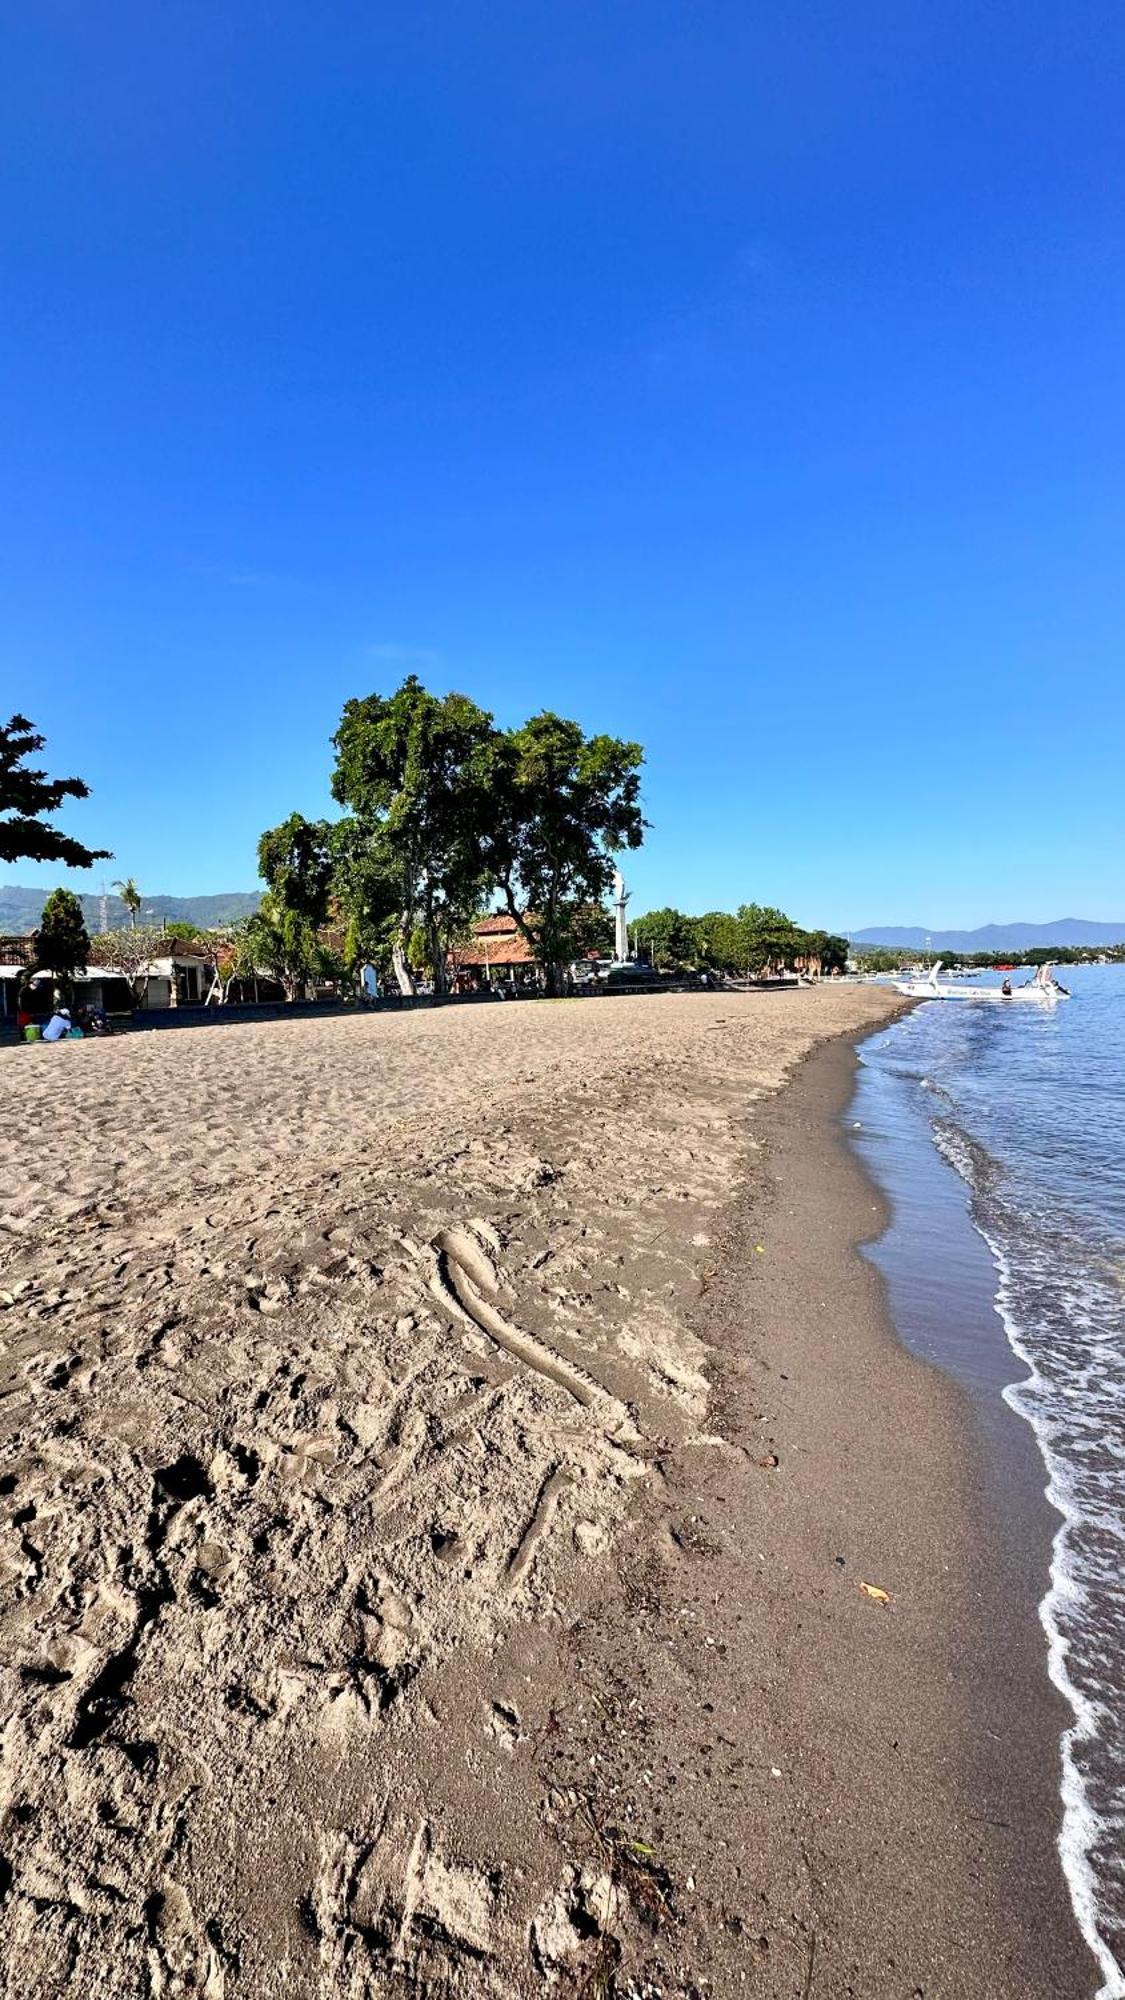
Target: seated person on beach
x=58, y=1027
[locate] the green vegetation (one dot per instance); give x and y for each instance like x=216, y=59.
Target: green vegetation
x=443, y=810
x=282, y=943
x=131, y=897
x=27, y=799
x=295, y=862
x=417, y=773
x=881, y=958
x=754, y=940
x=61, y=944
x=561, y=806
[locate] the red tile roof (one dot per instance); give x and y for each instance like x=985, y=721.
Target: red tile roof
x=496, y=940
x=493, y=951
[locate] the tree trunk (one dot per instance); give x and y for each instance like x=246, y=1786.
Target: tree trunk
x=437, y=961
x=537, y=941
x=402, y=971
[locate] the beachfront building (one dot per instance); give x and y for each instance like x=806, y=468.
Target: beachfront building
x=102, y=987
x=16, y=961
x=496, y=953
x=179, y=977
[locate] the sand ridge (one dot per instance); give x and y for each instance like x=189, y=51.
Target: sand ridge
x=332, y=1352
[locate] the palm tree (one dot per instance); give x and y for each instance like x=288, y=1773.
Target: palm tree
x=131, y=897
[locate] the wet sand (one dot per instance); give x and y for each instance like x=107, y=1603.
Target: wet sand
x=853, y=1798
x=395, y=1596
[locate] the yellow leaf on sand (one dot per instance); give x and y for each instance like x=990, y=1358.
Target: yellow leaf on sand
x=876, y=1595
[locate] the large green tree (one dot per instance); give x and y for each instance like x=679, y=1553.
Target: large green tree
x=563, y=805
x=769, y=939
x=296, y=863
x=61, y=944
x=668, y=936
x=719, y=941
x=28, y=797
x=366, y=889
x=416, y=772
x=281, y=943
x=831, y=950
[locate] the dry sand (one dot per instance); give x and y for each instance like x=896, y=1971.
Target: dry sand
x=357, y=1377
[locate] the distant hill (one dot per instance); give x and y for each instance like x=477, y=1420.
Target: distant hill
x=21, y=909
x=993, y=937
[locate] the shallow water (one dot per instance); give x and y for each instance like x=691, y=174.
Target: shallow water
x=1018, y=1117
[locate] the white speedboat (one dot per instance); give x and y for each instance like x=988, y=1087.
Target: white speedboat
x=1042, y=991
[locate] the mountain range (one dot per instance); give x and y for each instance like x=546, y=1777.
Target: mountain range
x=21, y=909
x=992, y=937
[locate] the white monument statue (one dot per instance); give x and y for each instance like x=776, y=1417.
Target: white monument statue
x=621, y=928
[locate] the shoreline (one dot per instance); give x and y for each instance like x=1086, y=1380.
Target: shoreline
x=875, y=1804
x=946, y=1180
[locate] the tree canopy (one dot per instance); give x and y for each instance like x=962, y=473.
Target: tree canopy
x=28, y=797
x=753, y=940
x=416, y=772
x=278, y=941
x=668, y=937
x=62, y=944
x=295, y=861
x=444, y=810
x=564, y=805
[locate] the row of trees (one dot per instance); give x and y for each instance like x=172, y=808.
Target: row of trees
x=884, y=958
x=442, y=812
x=751, y=941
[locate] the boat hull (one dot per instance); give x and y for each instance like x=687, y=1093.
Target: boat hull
x=1027, y=996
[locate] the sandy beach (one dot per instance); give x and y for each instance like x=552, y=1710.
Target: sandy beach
x=442, y=1453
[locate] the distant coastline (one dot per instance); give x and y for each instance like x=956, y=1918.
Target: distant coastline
x=1073, y=931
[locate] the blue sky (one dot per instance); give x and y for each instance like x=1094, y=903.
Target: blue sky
x=745, y=378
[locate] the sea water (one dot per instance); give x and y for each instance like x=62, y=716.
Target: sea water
x=1025, y=1109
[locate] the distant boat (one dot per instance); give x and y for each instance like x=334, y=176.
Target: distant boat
x=1042, y=991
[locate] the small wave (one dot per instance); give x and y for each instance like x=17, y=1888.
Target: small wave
x=968, y=1158
x=1045, y=1197
x=1083, y=1829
